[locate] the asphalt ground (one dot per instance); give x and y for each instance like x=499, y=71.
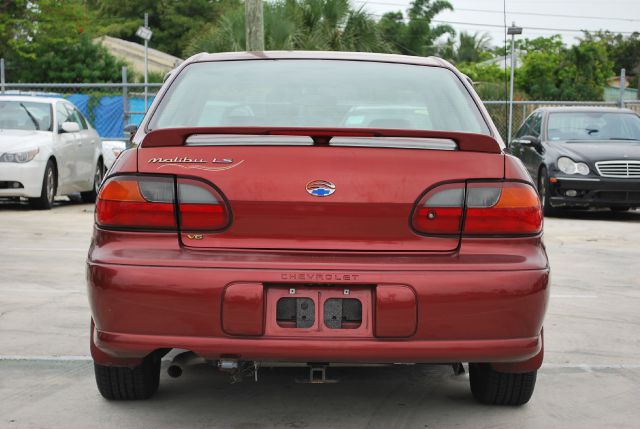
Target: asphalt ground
x=590, y=378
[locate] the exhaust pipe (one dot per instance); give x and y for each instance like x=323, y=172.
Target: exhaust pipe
x=183, y=360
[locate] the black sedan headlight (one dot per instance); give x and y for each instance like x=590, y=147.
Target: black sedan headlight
x=569, y=166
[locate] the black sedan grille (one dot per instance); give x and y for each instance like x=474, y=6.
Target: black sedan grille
x=619, y=169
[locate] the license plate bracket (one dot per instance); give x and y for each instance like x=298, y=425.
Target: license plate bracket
x=323, y=310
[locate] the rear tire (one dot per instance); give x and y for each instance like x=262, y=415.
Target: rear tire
x=90, y=196
x=49, y=187
x=489, y=386
x=122, y=383
x=545, y=194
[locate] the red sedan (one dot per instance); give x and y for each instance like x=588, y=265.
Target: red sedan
x=318, y=208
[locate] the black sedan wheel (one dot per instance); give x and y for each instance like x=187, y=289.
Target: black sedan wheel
x=544, y=193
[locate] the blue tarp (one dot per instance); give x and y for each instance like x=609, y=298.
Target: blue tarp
x=108, y=113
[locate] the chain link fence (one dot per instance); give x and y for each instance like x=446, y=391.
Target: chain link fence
x=110, y=107
x=499, y=110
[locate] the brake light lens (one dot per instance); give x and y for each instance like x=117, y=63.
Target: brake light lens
x=506, y=208
x=440, y=211
x=201, y=207
x=149, y=203
x=137, y=202
x=489, y=208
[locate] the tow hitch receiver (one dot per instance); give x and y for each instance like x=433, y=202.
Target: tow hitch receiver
x=317, y=375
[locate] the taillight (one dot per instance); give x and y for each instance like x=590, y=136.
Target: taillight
x=137, y=202
x=440, y=210
x=149, y=203
x=487, y=208
x=201, y=207
x=504, y=208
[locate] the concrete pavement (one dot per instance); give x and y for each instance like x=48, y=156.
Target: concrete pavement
x=591, y=376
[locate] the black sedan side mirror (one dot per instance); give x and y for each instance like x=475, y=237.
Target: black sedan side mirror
x=530, y=141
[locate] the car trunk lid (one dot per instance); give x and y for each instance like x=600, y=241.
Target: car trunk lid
x=275, y=184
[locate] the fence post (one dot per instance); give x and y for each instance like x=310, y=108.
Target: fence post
x=622, y=86
x=2, y=75
x=125, y=98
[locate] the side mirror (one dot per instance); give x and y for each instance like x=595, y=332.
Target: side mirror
x=69, y=127
x=530, y=141
x=130, y=131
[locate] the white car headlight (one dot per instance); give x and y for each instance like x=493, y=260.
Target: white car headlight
x=20, y=157
x=569, y=166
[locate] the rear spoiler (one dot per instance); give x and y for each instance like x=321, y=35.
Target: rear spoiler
x=468, y=142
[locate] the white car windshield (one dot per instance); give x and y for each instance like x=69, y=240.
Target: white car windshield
x=318, y=93
x=25, y=115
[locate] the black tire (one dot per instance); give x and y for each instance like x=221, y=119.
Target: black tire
x=544, y=194
x=90, y=196
x=489, y=386
x=49, y=187
x=619, y=209
x=122, y=383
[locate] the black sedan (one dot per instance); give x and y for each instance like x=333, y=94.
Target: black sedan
x=582, y=156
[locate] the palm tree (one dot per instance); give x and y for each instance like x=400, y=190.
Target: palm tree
x=473, y=47
x=296, y=24
x=418, y=35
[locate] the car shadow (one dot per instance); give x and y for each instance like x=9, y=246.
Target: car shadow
x=384, y=397
x=23, y=205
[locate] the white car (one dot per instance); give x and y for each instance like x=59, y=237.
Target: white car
x=111, y=150
x=47, y=148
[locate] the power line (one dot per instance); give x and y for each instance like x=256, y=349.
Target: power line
x=553, y=15
x=479, y=24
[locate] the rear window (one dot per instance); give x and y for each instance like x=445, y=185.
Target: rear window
x=593, y=126
x=318, y=93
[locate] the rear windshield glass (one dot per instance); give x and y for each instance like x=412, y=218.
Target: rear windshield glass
x=318, y=93
x=594, y=126
x=25, y=115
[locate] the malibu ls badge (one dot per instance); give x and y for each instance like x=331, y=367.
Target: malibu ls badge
x=320, y=188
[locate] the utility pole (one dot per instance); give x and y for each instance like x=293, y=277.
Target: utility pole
x=146, y=65
x=512, y=31
x=145, y=34
x=254, y=25
x=623, y=85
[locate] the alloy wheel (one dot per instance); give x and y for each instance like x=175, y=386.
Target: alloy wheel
x=50, y=184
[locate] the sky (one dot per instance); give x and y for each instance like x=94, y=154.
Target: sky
x=535, y=16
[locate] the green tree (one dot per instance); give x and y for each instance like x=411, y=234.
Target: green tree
x=16, y=28
x=417, y=36
x=473, y=47
x=173, y=22
x=551, y=71
x=295, y=24
x=51, y=43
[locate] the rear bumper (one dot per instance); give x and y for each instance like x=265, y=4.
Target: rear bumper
x=326, y=350
x=477, y=316
x=596, y=192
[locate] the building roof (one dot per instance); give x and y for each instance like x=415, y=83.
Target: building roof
x=133, y=54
